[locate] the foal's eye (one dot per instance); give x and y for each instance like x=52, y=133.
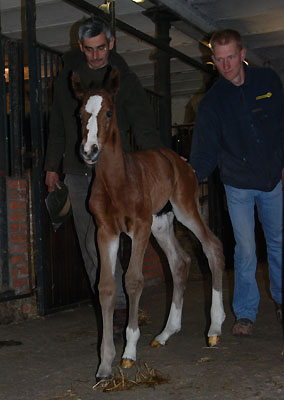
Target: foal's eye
x=109, y=113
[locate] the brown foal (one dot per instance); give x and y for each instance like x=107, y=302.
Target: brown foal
x=128, y=191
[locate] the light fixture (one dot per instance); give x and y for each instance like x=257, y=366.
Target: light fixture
x=138, y=1
x=106, y=7
x=205, y=43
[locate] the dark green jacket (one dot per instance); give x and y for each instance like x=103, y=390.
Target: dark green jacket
x=132, y=108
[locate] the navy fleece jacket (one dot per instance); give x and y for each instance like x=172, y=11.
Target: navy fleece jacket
x=240, y=129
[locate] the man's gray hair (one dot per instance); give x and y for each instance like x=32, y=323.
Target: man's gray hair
x=93, y=27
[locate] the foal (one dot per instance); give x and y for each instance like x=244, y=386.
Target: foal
x=128, y=191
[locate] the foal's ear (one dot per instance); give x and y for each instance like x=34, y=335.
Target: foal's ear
x=77, y=86
x=111, y=83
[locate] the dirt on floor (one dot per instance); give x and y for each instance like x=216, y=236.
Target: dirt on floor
x=56, y=357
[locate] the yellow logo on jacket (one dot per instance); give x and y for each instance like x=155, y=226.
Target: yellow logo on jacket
x=264, y=96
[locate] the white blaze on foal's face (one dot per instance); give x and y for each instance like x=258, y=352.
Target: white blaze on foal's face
x=93, y=107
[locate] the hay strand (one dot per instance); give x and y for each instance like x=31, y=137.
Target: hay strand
x=144, y=377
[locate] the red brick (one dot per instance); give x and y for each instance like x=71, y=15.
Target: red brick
x=16, y=183
x=15, y=272
x=17, y=205
x=23, y=227
x=15, y=194
x=27, y=308
x=18, y=237
x=18, y=248
x=18, y=260
x=152, y=274
x=15, y=227
x=20, y=282
x=17, y=216
x=20, y=227
x=24, y=271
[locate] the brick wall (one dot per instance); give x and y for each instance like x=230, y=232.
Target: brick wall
x=153, y=265
x=17, y=208
x=21, y=279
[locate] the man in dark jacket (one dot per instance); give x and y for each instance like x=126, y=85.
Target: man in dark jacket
x=240, y=129
x=133, y=111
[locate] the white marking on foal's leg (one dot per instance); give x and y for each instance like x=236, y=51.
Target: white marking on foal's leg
x=113, y=249
x=132, y=337
x=217, y=314
x=162, y=229
x=173, y=325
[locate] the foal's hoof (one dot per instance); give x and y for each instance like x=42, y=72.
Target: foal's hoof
x=213, y=340
x=127, y=363
x=102, y=382
x=155, y=343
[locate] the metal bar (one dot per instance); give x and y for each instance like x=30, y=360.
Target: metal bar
x=40, y=94
x=4, y=165
x=37, y=170
x=163, y=80
x=16, y=122
x=84, y=5
x=10, y=132
x=4, y=265
x=21, y=90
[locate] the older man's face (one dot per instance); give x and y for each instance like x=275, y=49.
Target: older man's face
x=96, y=50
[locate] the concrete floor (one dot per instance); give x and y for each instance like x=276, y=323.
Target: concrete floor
x=56, y=357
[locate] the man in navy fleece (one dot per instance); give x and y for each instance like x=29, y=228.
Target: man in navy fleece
x=240, y=128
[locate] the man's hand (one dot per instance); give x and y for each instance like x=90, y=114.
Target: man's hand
x=51, y=180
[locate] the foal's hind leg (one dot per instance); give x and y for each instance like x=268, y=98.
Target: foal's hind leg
x=213, y=250
x=163, y=230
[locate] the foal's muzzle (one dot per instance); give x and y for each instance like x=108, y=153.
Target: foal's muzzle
x=90, y=157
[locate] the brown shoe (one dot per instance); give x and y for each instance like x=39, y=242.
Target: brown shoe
x=242, y=327
x=119, y=321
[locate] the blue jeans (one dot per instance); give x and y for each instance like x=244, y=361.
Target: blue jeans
x=241, y=204
x=78, y=187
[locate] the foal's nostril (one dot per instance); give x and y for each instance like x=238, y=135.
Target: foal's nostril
x=94, y=148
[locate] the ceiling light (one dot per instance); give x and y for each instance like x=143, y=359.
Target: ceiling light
x=138, y=1
x=104, y=8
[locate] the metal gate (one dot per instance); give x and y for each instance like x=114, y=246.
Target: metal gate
x=63, y=279
x=11, y=139
x=25, y=104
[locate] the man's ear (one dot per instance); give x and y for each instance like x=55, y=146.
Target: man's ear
x=243, y=54
x=111, y=43
x=80, y=45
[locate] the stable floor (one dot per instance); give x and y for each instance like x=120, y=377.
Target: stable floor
x=56, y=357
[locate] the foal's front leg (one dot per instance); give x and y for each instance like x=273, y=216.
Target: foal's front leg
x=108, y=248
x=134, y=283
